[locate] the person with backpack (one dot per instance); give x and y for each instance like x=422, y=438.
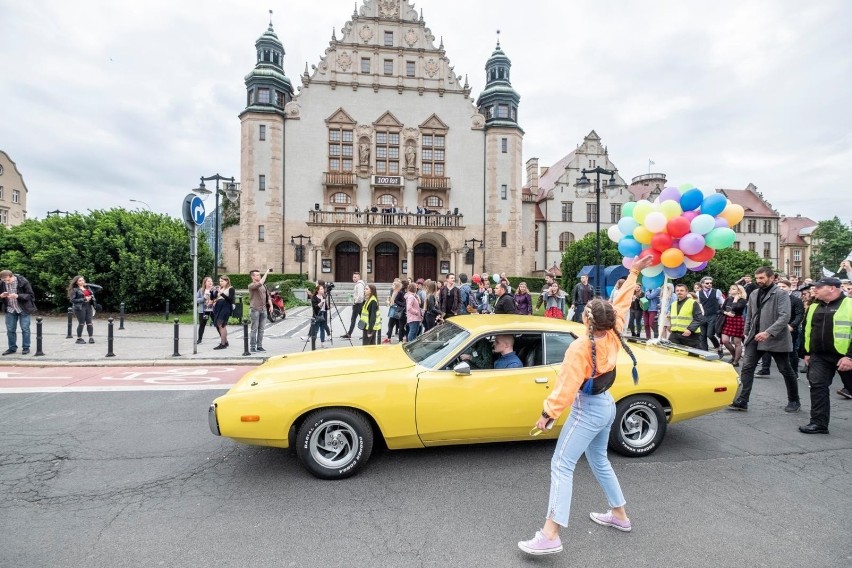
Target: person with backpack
x=466, y=293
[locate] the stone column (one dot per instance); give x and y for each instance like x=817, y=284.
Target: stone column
x=411, y=275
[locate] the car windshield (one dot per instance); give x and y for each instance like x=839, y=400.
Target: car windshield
x=433, y=346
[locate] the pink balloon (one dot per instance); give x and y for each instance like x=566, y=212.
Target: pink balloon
x=721, y=222
x=690, y=215
x=691, y=243
x=627, y=262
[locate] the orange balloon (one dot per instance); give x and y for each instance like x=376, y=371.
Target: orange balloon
x=642, y=235
x=733, y=214
x=672, y=258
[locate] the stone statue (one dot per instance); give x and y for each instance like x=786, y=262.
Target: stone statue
x=410, y=155
x=364, y=153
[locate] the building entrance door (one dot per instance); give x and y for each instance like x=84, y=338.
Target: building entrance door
x=347, y=259
x=425, y=262
x=387, y=262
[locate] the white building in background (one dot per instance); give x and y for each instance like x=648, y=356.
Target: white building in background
x=13, y=193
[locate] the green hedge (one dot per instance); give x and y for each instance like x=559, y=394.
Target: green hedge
x=242, y=281
x=534, y=283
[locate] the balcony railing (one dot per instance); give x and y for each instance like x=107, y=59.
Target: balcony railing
x=336, y=179
x=433, y=183
x=385, y=219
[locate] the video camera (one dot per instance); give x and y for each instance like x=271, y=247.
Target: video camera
x=329, y=286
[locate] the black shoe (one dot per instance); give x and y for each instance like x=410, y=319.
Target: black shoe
x=198, y=342
x=793, y=406
x=845, y=393
x=25, y=351
x=91, y=340
x=220, y=346
x=763, y=372
x=260, y=350
x=80, y=341
x=346, y=336
x=813, y=429
x=10, y=352
x=738, y=405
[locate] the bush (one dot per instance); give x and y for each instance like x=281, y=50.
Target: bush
x=242, y=281
x=534, y=283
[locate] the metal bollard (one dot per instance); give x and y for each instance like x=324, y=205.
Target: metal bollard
x=246, y=338
x=177, y=337
x=109, y=338
x=70, y=320
x=39, y=352
x=121, y=316
x=167, y=310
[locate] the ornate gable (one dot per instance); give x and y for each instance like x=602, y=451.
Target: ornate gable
x=340, y=116
x=434, y=123
x=388, y=120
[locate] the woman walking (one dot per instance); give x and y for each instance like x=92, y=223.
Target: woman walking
x=393, y=310
x=204, y=304
x=733, y=330
x=223, y=299
x=587, y=372
x=83, y=302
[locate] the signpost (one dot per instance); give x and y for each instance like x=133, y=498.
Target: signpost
x=194, y=215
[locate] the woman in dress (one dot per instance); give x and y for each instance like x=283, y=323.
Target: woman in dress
x=587, y=372
x=554, y=302
x=204, y=305
x=523, y=300
x=733, y=330
x=83, y=302
x=223, y=305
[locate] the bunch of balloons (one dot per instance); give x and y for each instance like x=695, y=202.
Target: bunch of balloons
x=682, y=229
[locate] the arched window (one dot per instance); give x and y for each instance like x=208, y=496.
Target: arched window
x=433, y=201
x=565, y=239
x=341, y=198
x=387, y=199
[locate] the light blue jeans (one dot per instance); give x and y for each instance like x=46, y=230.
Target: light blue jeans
x=413, y=330
x=12, y=320
x=586, y=430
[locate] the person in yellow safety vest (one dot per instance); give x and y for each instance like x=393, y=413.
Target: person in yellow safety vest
x=828, y=349
x=371, y=316
x=686, y=319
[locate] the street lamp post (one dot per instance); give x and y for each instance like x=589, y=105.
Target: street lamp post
x=583, y=186
x=232, y=192
x=141, y=202
x=300, y=248
x=470, y=244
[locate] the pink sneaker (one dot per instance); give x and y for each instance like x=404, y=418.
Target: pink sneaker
x=609, y=520
x=540, y=544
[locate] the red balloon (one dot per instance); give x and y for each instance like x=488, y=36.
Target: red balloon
x=653, y=252
x=703, y=255
x=678, y=226
x=661, y=242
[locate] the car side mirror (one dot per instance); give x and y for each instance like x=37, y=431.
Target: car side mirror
x=462, y=368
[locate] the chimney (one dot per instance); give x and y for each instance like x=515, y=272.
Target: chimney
x=532, y=174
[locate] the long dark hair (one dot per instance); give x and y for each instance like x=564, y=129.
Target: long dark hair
x=72, y=285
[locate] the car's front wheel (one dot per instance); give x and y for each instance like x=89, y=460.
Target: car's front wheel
x=334, y=443
x=639, y=427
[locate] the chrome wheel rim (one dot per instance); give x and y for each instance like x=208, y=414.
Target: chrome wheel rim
x=639, y=427
x=334, y=444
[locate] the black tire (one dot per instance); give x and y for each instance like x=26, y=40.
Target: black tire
x=639, y=426
x=350, y=447
x=276, y=314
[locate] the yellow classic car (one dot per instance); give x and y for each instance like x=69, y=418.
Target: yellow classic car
x=442, y=389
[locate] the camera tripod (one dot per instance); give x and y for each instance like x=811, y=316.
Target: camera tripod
x=316, y=322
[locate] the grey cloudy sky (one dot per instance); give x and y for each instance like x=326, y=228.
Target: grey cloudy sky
x=102, y=101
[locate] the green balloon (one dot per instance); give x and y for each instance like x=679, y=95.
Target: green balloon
x=685, y=187
x=720, y=238
x=627, y=209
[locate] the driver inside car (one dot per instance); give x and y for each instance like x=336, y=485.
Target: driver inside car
x=479, y=355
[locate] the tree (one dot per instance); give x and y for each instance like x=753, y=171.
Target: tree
x=140, y=258
x=726, y=267
x=582, y=253
x=832, y=242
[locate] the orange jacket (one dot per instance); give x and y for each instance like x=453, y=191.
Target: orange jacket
x=577, y=364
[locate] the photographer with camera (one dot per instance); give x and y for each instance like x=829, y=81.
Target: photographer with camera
x=259, y=304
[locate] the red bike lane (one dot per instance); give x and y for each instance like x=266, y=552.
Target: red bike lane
x=19, y=380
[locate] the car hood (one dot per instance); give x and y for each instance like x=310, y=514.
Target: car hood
x=325, y=363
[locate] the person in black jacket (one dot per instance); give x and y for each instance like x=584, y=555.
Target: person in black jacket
x=797, y=314
x=18, y=303
x=83, y=302
x=505, y=303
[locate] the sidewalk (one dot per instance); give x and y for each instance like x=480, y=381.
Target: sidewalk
x=147, y=343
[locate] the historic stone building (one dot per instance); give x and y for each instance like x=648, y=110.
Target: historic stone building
x=13, y=193
x=382, y=158
x=558, y=213
x=759, y=229
x=795, y=255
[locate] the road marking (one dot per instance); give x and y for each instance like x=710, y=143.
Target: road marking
x=5, y=375
x=171, y=376
x=61, y=390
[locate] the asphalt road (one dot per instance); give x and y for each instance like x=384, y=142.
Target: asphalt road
x=112, y=479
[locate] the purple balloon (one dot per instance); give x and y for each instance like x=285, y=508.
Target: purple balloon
x=700, y=267
x=690, y=215
x=670, y=194
x=676, y=272
x=721, y=222
x=691, y=243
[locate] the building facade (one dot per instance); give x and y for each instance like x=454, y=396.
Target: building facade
x=383, y=158
x=759, y=230
x=795, y=238
x=13, y=193
x=557, y=213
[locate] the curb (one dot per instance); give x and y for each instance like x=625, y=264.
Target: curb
x=138, y=363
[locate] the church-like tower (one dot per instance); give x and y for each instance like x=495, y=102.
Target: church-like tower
x=268, y=91
x=504, y=140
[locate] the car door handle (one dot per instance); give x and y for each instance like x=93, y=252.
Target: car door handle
x=541, y=380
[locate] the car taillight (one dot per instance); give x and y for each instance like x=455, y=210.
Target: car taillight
x=720, y=389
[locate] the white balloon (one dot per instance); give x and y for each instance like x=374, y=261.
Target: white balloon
x=614, y=233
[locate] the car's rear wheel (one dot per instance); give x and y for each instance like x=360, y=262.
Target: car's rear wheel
x=334, y=443
x=639, y=427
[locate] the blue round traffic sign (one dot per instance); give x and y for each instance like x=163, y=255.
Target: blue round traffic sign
x=197, y=212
